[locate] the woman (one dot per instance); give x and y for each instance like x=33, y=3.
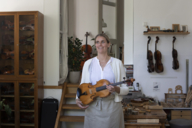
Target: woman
x=104, y=112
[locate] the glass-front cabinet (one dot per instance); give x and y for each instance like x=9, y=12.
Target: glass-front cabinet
x=7, y=44
x=21, y=68
x=7, y=95
x=19, y=44
x=26, y=44
x=27, y=101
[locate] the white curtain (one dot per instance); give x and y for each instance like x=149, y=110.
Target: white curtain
x=64, y=44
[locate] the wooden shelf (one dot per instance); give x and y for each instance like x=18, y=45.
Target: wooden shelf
x=70, y=95
x=27, y=124
x=26, y=96
x=166, y=33
x=27, y=110
x=70, y=106
x=72, y=118
x=7, y=124
x=7, y=96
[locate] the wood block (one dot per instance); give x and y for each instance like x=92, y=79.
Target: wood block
x=148, y=121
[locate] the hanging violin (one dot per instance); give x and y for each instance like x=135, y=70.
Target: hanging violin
x=175, y=62
x=87, y=49
x=87, y=92
x=150, y=57
x=158, y=65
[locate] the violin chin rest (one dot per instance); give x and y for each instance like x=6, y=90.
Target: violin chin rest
x=78, y=92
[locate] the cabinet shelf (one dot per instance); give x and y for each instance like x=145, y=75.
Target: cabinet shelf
x=32, y=125
x=26, y=96
x=7, y=124
x=166, y=33
x=7, y=96
x=27, y=110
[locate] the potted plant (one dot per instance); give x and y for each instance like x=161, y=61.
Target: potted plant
x=75, y=57
x=7, y=109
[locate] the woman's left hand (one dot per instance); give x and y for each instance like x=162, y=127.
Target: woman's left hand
x=111, y=88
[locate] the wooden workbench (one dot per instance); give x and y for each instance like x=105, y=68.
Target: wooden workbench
x=154, y=114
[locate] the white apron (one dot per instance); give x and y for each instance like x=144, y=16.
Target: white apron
x=104, y=113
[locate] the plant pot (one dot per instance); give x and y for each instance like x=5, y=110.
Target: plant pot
x=74, y=76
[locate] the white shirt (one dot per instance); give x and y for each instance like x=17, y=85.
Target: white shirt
x=96, y=72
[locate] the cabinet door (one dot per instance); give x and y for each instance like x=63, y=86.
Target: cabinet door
x=27, y=103
x=7, y=94
x=7, y=44
x=27, y=39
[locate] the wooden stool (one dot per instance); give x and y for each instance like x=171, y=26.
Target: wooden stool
x=180, y=123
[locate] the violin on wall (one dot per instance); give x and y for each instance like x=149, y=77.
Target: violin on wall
x=174, y=55
x=87, y=49
x=158, y=64
x=150, y=57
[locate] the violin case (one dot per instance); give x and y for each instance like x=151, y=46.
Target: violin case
x=49, y=108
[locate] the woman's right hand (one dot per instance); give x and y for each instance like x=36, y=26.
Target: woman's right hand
x=80, y=104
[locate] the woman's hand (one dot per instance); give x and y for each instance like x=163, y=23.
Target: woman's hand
x=80, y=104
x=113, y=88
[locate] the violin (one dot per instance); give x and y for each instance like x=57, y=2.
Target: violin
x=158, y=65
x=174, y=55
x=87, y=49
x=150, y=57
x=87, y=92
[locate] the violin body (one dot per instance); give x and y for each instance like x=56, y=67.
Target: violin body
x=87, y=92
x=158, y=64
x=150, y=58
x=91, y=92
x=175, y=62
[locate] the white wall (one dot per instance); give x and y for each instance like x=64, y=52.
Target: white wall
x=161, y=13
x=84, y=17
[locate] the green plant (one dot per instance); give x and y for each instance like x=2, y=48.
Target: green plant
x=75, y=54
x=6, y=107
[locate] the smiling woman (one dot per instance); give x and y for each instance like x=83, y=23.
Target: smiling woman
x=112, y=70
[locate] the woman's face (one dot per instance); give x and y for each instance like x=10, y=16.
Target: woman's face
x=101, y=44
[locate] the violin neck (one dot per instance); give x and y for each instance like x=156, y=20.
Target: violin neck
x=104, y=87
x=147, y=50
x=173, y=45
x=86, y=45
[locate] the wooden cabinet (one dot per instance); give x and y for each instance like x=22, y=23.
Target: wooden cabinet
x=184, y=114
x=136, y=125
x=21, y=67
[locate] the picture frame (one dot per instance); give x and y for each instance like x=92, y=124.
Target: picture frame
x=184, y=28
x=154, y=28
x=176, y=27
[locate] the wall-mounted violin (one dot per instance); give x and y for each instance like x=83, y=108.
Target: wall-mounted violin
x=174, y=55
x=158, y=65
x=150, y=57
x=87, y=49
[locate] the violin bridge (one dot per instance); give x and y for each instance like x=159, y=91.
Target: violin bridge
x=90, y=91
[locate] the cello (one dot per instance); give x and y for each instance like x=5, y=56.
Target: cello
x=175, y=62
x=150, y=57
x=158, y=65
x=87, y=92
x=87, y=49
